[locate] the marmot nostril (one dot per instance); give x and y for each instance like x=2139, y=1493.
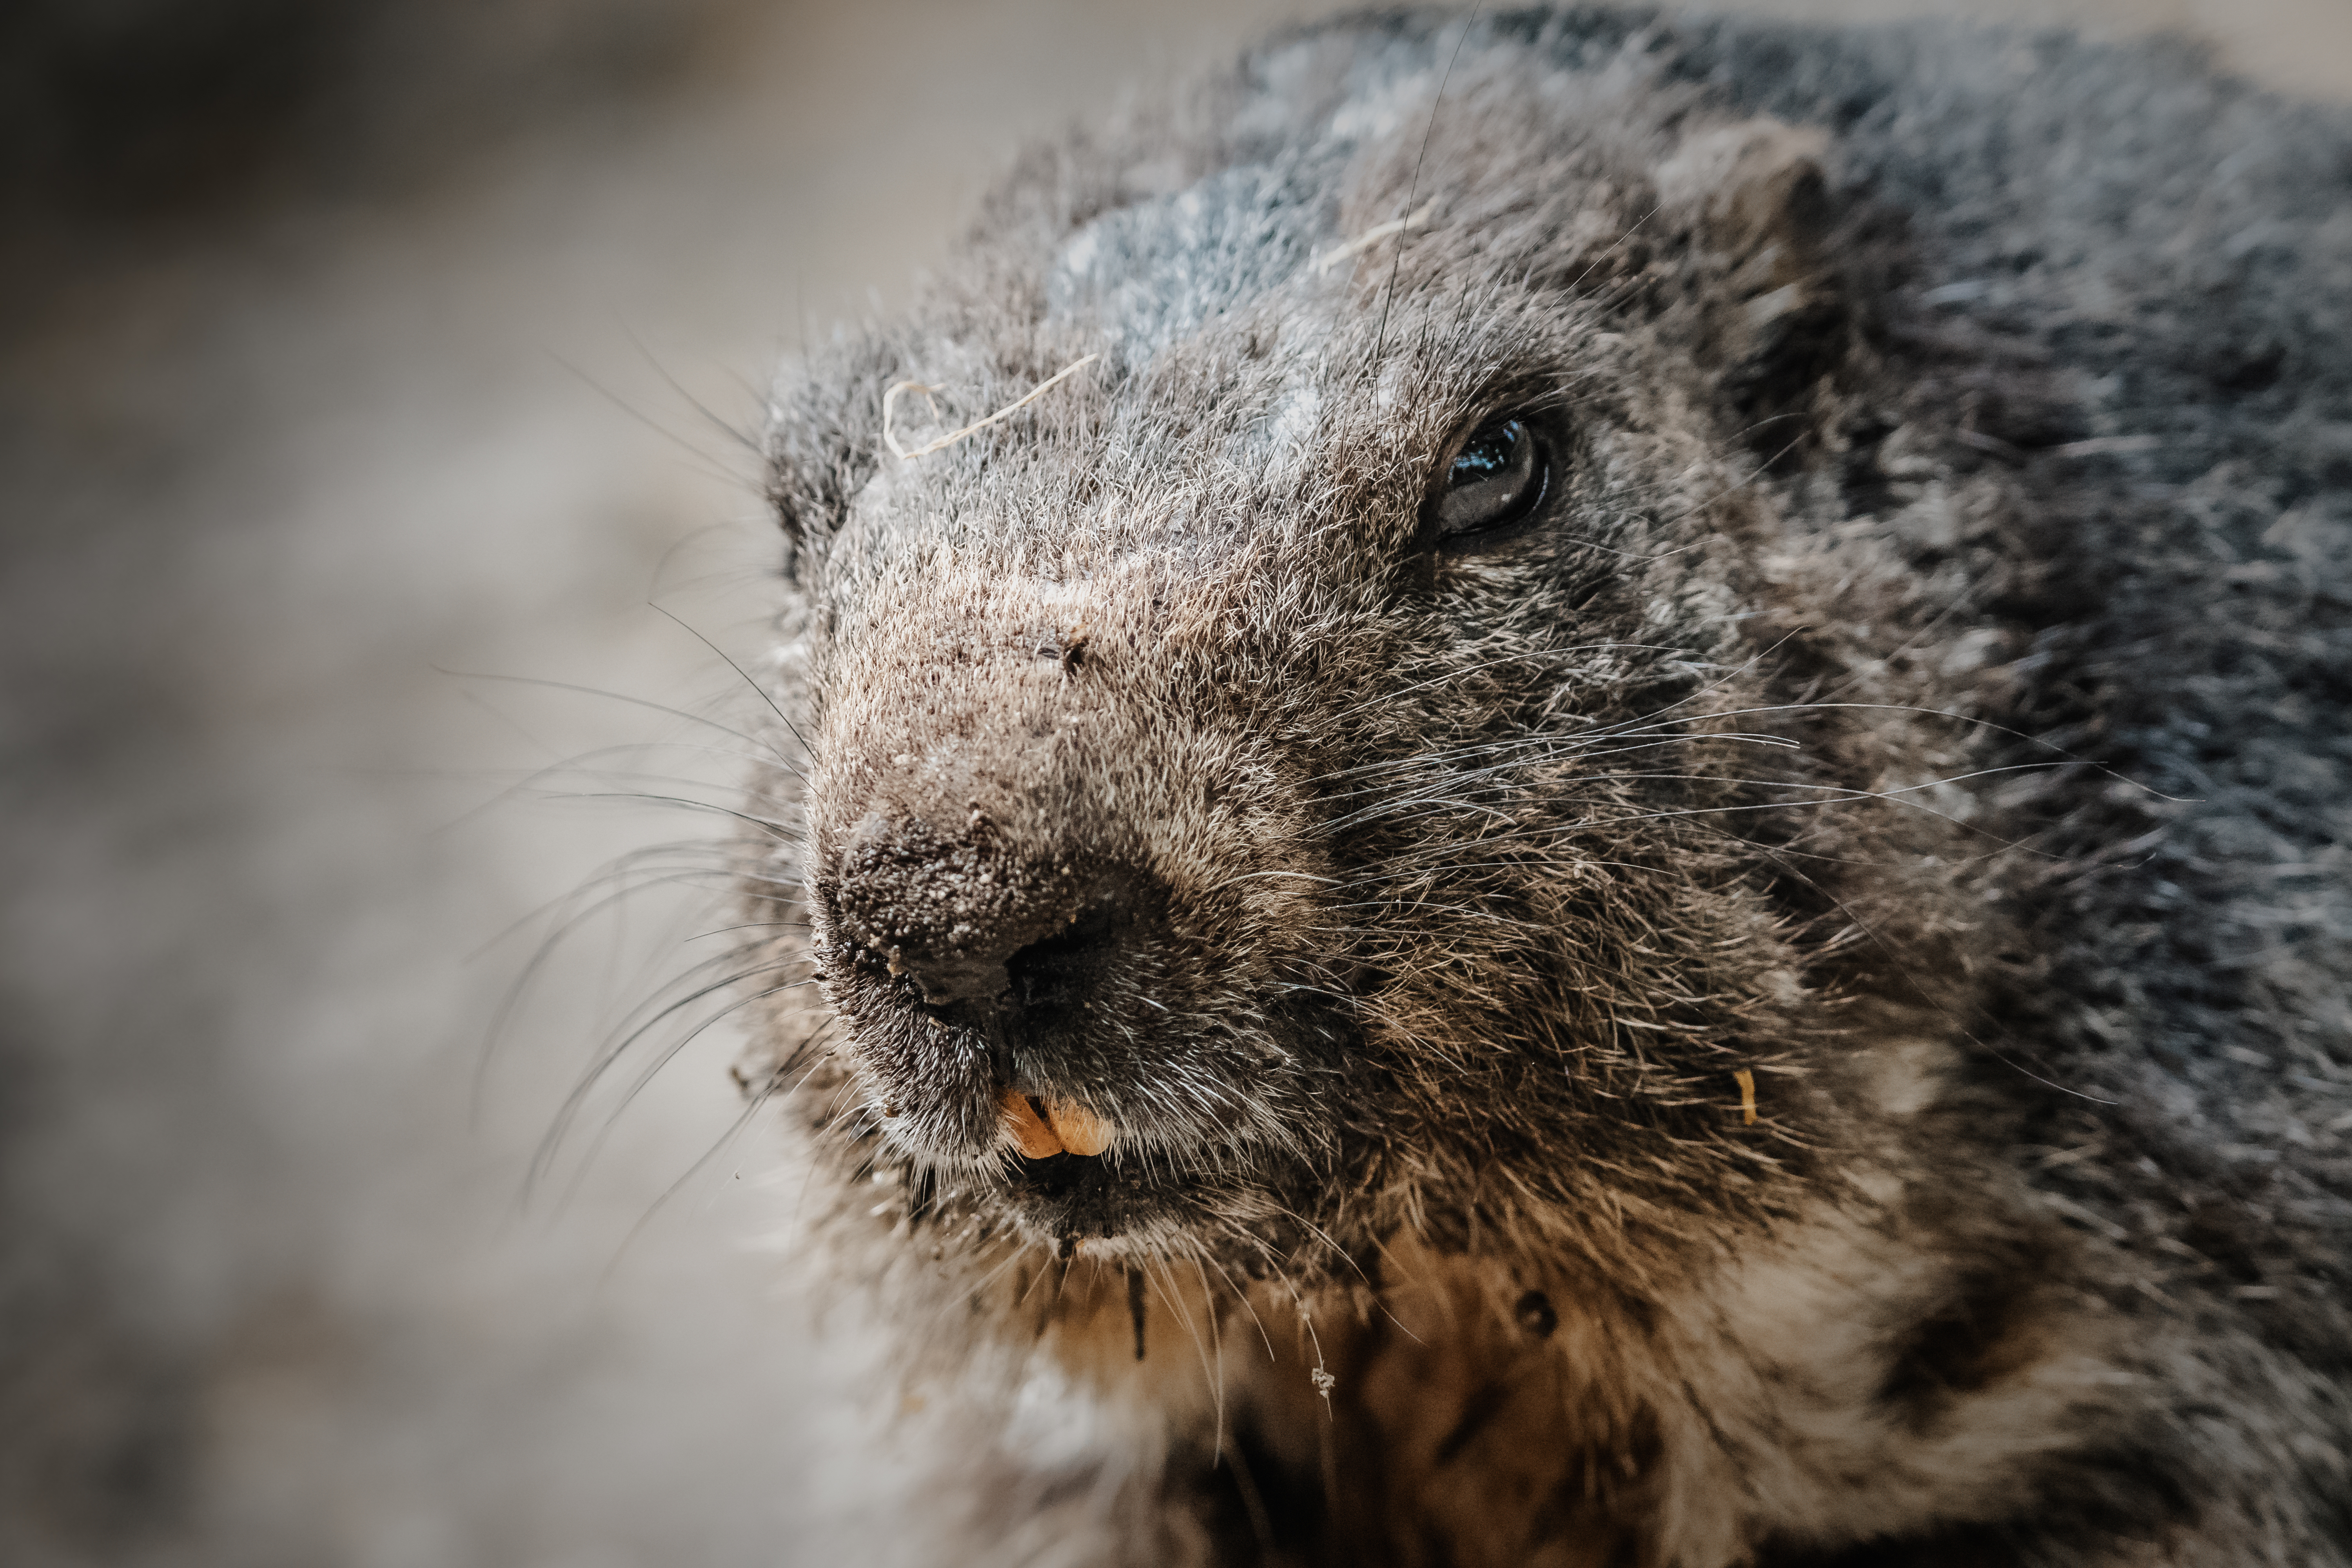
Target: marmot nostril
x=947, y=977
x=1064, y=969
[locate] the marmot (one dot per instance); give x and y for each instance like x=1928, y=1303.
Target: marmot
x=1570, y=786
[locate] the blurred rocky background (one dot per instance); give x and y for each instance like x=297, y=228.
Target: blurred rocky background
x=366, y=367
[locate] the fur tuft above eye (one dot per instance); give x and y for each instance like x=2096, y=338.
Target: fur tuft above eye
x=1499, y=478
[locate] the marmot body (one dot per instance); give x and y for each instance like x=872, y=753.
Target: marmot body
x=1623, y=840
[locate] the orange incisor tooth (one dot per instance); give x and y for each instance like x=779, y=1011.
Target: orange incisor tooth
x=1080, y=1130
x=1029, y=1129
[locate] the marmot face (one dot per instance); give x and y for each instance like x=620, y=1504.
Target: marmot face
x=1315, y=761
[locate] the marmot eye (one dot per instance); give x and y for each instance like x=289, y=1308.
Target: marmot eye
x=1498, y=476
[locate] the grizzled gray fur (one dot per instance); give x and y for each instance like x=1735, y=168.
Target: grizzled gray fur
x=1626, y=839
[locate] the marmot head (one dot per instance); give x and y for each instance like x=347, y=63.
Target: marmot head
x=1333, y=759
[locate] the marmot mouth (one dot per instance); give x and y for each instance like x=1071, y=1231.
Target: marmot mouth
x=1061, y=1177
x=1075, y=1198
x=1045, y=1126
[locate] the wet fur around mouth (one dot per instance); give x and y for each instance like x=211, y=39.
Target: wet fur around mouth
x=1786, y=1005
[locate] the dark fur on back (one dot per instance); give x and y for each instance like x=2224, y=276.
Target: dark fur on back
x=1918, y=713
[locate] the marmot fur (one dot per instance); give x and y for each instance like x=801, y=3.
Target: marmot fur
x=1624, y=839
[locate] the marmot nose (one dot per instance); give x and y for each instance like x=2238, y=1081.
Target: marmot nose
x=1062, y=969
x=974, y=927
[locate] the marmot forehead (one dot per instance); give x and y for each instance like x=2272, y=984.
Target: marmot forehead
x=1152, y=272
x=1247, y=319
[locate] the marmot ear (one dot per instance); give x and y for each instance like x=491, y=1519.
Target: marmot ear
x=1755, y=214
x=1749, y=187
x=823, y=438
